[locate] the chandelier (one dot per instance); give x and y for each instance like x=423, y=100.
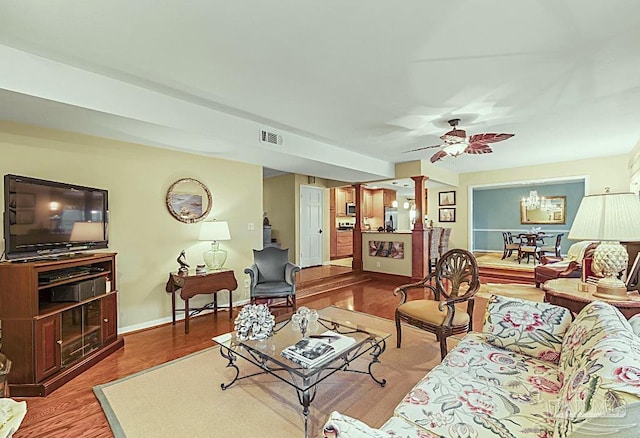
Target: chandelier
x=535, y=202
x=532, y=202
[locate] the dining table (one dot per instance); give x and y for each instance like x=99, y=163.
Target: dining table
x=533, y=240
x=536, y=239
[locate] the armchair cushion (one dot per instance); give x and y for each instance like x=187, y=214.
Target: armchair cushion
x=428, y=311
x=272, y=287
x=271, y=264
x=526, y=327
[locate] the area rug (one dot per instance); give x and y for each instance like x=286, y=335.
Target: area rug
x=523, y=291
x=184, y=398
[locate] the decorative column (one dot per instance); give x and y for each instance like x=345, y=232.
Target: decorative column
x=419, y=261
x=356, y=263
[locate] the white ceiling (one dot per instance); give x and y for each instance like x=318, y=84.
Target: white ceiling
x=350, y=85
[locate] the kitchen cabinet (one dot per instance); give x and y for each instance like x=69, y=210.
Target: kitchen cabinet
x=368, y=203
x=341, y=202
x=350, y=194
x=344, y=243
x=344, y=195
x=388, y=196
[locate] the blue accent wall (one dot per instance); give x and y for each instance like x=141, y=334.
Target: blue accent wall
x=498, y=209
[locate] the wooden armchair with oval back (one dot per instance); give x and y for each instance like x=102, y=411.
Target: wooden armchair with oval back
x=454, y=280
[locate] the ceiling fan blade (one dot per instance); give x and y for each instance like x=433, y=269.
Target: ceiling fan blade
x=477, y=148
x=488, y=137
x=437, y=156
x=423, y=148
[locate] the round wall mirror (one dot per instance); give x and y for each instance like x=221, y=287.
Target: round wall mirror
x=188, y=200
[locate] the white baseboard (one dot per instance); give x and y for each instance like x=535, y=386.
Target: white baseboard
x=168, y=319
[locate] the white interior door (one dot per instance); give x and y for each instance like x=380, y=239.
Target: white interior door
x=311, y=227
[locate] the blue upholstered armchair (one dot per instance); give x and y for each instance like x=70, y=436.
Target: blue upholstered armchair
x=273, y=276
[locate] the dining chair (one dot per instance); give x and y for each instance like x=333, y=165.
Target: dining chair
x=457, y=280
x=443, y=247
x=554, y=249
x=529, y=246
x=509, y=244
x=434, y=242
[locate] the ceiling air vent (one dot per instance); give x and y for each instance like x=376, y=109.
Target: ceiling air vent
x=270, y=137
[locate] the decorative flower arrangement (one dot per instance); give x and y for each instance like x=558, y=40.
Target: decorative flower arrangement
x=254, y=322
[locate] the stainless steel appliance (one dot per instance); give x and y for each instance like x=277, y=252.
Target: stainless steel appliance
x=390, y=218
x=351, y=209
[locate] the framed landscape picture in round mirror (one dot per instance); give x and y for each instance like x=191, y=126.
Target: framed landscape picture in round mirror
x=188, y=200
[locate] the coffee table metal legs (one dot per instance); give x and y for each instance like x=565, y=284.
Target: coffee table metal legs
x=378, y=349
x=305, y=396
x=231, y=358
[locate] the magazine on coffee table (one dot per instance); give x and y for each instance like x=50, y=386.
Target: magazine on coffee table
x=314, y=349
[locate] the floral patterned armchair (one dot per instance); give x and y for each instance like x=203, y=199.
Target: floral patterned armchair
x=533, y=372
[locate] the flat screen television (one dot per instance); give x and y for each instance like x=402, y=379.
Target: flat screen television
x=44, y=218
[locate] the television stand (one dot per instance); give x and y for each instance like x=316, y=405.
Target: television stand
x=50, y=341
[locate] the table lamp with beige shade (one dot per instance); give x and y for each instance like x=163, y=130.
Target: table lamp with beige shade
x=609, y=218
x=214, y=231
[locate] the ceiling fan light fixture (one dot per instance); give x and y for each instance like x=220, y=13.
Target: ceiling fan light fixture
x=455, y=149
x=454, y=136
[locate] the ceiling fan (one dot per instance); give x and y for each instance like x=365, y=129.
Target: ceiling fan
x=456, y=142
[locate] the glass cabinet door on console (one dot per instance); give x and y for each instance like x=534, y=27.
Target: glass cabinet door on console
x=80, y=332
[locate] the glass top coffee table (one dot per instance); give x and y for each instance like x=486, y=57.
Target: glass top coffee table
x=266, y=354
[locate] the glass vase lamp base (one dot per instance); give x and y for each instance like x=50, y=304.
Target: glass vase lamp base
x=215, y=257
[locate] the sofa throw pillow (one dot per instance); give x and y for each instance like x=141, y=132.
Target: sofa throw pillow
x=344, y=426
x=526, y=327
x=635, y=324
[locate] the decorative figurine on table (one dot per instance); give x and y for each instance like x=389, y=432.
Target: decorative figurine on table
x=184, y=266
x=305, y=317
x=254, y=322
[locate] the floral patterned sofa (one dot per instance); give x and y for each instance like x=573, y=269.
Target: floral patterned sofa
x=533, y=372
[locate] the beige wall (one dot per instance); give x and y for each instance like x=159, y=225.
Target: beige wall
x=282, y=202
x=143, y=233
x=279, y=194
x=598, y=173
x=387, y=265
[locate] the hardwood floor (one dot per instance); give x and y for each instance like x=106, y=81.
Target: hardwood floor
x=73, y=410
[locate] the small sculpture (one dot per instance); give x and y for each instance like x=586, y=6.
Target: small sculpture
x=184, y=266
x=254, y=322
x=304, y=318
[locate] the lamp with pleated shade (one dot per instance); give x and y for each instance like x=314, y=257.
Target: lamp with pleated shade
x=609, y=218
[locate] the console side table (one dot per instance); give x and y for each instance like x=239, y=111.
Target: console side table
x=192, y=284
x=565, y=292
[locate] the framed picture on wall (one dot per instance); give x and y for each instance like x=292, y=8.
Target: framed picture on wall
x=446, y=198
x=446, y=214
